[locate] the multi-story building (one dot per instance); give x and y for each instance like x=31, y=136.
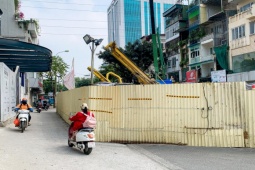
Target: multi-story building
x=208, y=37
x=128, y=20
x=176, y=33
x=242, y=37
x=14, y=27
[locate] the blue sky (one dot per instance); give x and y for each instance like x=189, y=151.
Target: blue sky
x=64, y=23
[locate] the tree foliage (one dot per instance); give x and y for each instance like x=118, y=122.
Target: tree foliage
x=58, y=70
x=80, y=82
x=139, y=52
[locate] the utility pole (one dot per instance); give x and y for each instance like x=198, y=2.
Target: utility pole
x=154, y=40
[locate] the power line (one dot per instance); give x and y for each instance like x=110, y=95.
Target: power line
x=63, y=34
x=69, y=19
x=130, y=22
x=61, y=9
x=61, y=3
x=71, y=34
x=70, y=27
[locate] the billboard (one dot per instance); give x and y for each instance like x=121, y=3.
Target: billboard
x=219, y=76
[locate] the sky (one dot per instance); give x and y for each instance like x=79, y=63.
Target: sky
x=63, y=24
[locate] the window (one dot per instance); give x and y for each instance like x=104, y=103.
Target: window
x=246, y=7
x=218, y=29
x=194, y=52
x=174, y=62
x=169, y=62
x=211, y=51
x=252, y=27
x=238, y=32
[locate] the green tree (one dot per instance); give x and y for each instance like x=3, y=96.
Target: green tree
x=80, y=82
x=58, y=70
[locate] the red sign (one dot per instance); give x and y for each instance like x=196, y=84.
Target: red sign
x=40, y=84
x=191, y=76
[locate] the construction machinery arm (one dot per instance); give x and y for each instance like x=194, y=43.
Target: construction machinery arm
x=130, y=65
x=115, y=75
x=99, y=75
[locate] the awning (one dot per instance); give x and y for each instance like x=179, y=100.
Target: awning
x=29, y=57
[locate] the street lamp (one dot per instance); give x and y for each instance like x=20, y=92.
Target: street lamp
x=88, y=39
x=66, y=51
x=55, y=89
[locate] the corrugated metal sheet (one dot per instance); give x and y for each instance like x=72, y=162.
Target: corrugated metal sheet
x=209, y=114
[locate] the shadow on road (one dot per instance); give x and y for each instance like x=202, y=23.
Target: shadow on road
x=13, y=129
x=66, y=150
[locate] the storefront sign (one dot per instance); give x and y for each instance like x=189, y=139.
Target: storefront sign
x=191, y=76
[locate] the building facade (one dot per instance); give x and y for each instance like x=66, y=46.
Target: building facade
x=242, y=37
x=14, y=26
x=208, y=37
x=176, y=31
x=129, y=20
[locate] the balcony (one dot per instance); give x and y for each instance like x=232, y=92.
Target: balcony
x=206, y=39
x=177, y=18
x=194, y=60
x=240, y=42
x=234, y=1
x=32, y=28
x=211, y=2
x=248, y=14
x=217, y=39
x=193, y=24
x=207, y=58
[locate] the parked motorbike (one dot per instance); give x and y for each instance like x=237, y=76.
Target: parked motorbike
x=38, y=109
x=45, y=107
x=84, y=140
x=23, y=119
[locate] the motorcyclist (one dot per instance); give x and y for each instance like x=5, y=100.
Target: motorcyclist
x=24, y=106
x=78, y=119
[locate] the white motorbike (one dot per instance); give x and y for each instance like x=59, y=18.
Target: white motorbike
x=84, y=140
x=23, y=119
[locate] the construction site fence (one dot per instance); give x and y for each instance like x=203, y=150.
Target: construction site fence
x=197, y=114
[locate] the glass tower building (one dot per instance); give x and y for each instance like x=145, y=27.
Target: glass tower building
x=129, y=20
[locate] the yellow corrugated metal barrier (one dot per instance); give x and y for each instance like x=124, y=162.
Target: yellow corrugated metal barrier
x=208, y=114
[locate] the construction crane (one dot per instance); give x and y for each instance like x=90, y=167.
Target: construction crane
x=99, y=75
x=103, y=78
x=130, y=65
x=115, y=75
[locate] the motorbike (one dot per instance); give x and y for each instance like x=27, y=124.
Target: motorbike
x=45, y=107
x=23, y=119
x=38, y=109
x=84, y=140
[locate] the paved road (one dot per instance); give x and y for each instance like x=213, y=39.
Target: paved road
x=200, y=158
x=43, y=146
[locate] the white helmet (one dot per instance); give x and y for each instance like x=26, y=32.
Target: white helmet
x=84, y=105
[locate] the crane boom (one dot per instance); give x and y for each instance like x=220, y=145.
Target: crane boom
x=130, y=65
x=99, y=75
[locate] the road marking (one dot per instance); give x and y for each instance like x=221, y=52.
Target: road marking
x=155, y=158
